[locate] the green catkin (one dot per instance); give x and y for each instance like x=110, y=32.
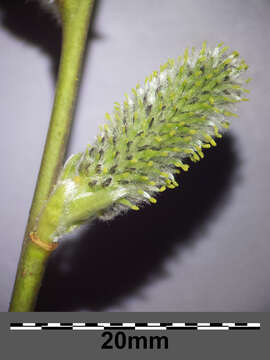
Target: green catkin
x=172, y=118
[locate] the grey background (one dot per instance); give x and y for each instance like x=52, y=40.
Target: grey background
x=204, y=247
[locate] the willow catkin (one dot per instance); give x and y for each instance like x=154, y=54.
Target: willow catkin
x=173, y=117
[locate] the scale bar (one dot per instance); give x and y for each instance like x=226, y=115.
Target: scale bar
x=99, y=326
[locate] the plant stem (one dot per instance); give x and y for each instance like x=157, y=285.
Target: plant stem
x=75, y=16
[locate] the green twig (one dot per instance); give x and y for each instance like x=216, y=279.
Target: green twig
x=75, y=16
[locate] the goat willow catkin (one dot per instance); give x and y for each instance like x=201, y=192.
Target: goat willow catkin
x=172, y=118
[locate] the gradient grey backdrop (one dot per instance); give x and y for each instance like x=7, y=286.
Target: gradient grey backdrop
x=204, y=247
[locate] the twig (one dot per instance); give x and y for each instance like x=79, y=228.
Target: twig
x=75, y=16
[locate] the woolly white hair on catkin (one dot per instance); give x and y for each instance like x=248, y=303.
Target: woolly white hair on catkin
x=51, y=6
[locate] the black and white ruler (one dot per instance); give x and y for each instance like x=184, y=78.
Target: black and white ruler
x=214, y=326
